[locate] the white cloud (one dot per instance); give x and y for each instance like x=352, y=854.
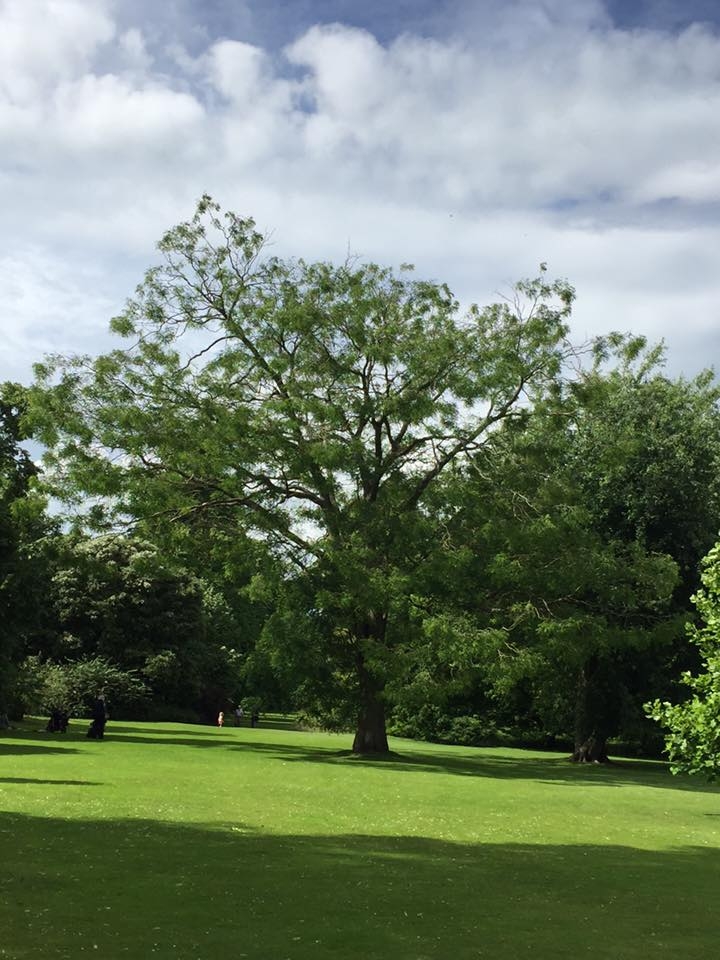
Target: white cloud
x=133, y=48
x=43, y=42
x=57, y=305
x=602, y=114
x=542, y=134
x=349, y=71
x=111, y=114
x=238, y=70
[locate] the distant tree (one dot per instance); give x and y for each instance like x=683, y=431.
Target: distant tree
x=577, y=525
x=72, y=687
x=230, y=566
x=559, y=607
x=316, y=405
x=24, y=532
x=118, y=600
x=646, y=455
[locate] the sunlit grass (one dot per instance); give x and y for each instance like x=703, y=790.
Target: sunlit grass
x=192, y=842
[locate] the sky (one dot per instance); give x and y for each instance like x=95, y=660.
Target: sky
x=473, y=138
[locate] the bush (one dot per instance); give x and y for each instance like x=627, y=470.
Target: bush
x=426, y=723
x=72, y=687
x=470, y=731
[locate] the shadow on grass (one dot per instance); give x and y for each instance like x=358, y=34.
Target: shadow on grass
x=195, y=730
x=544, y=769
x=140, y=888
x=21, y=749
x=466, y=762
x=62, y=783
x=493, y=765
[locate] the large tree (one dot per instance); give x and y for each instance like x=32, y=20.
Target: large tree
x=647, y=460
x=314, y=404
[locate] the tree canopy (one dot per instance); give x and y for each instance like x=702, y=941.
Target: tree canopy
x=312, y=404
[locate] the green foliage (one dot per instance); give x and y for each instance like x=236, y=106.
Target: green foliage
x=692, y=740
x=25, y=548
x=121, y=600
x=577, y=612
x=430, y=722
x=647, y=457
x=72, y=687
x=315, y=405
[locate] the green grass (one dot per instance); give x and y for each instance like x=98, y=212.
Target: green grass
x=172, y=841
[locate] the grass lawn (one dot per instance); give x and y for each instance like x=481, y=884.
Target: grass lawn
x=174, y=841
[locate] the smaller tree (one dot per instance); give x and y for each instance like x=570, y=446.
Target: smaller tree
x=25, y=544
x=566, y=606
x=120, y=599
x=693, y=739
x=72, y=687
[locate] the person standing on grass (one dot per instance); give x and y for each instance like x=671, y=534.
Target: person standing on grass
x=99, y=718
x=221, y=719
x=238, y=715
x=58, y=722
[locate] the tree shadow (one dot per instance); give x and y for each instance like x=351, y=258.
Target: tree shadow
x=194, y=730
x=64, y=783
x=22, y=749
x=137, y=729
x=494, y=765
x=140, y=888
x=490, y=763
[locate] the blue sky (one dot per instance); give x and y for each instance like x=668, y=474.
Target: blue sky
x=475, y=139
x=273, y=23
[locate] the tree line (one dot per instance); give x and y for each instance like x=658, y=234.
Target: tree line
x=333, y=488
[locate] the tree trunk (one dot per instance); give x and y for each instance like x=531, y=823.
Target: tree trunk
x=591, y=734
x=591, y=750
x=370, y=736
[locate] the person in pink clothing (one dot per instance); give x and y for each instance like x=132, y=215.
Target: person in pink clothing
x=221, y=719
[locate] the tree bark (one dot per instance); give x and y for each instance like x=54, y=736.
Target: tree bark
x=591, y=734
x=370, y=735
x=591, y=750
